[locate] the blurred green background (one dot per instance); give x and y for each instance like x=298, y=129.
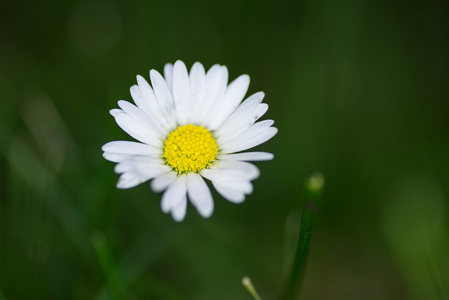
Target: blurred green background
x=359, y=91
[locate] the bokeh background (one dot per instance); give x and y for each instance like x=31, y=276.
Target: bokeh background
x=358, y=89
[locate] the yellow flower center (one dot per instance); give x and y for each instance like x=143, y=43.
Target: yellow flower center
x=190, y=148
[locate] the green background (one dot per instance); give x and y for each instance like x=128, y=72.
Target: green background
x=358, y=89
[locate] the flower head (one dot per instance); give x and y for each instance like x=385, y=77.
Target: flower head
x=190, y=127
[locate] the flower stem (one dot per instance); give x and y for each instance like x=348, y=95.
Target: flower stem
x=250, y=287
x=313, y=185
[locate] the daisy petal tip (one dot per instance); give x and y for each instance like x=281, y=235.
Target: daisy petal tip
x=127, y=182
x=238, y=200
x=197, y=65
x=178, y=213
x=206, y=213
x=140, y=80
x=165, y=204
x=160, y=183
x=152, y=74
x=165, y=209
x=155, y=188
x=122, y=186
x=121, y=103
x=179, y=63
x=177, y=218
x=118, y=169
x=114, y=112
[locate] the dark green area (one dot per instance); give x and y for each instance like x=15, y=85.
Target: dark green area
x=359, y=91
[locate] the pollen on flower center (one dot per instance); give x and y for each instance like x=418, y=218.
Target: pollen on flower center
x=190, y=148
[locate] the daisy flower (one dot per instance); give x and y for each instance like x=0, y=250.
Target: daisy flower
x=190, y=127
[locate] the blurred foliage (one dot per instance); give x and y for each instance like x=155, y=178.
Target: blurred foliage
x=358, y=89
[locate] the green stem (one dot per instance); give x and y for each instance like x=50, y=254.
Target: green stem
x=313, y=185
x=246, y=281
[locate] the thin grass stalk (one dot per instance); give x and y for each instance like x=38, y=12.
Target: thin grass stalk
x=313, y=186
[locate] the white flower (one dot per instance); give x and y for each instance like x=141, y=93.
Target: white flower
x=190, y=127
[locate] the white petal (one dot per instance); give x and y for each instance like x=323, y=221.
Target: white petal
x=146, y=92
x=141, y=165
x=232, y=98
x=139, y=116
x=242, y=118
x=127, y=147
x=139, y=99
x=168, y=75
x=253, y=142
x=181, y=92
x=200, y=195
x=117, y=158
x=164, y=97
x=141, y=133
x=161, y=182
x=260, y=111
x=179, y=211
x=248, y=156
x=245, y=124
x=243, y=110
x=251, y=132
x=229, y=193
x=229, y=178
x=174, y=195
x=216, y=83
x=141, y=94
x=212, y=80
x=197, y=89
x=149, y=104
x=137, y=170
x=245, y=167
x=232, y=170
x=129, y=180
x=242, y=186
x=225, y=175
x=115, y=111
